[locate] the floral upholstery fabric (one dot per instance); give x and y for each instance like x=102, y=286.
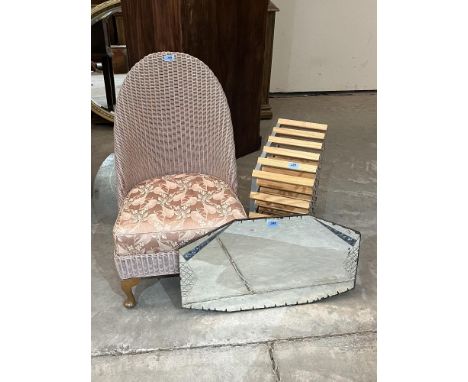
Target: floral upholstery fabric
x=161, y=214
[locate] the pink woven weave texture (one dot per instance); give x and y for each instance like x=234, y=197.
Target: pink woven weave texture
x=172, y=117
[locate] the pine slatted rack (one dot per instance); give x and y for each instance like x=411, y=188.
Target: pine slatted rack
x=285, y=179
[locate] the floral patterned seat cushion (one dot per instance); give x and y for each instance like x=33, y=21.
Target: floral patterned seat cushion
x=160, y=214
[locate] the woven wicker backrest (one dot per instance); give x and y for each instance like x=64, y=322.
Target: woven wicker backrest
x=172, y=117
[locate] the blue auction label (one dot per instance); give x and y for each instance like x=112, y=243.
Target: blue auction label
x=169, y=57
x=272, y=223
x=293, y=165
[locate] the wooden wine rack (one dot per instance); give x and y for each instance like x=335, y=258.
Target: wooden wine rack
x=285, y=179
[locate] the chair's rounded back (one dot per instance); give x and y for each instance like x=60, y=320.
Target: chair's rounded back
x=172, y=117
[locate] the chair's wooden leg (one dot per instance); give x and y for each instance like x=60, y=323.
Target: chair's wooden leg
x=127, y=286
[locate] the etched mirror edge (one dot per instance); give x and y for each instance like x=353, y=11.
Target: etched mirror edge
x=225, y=305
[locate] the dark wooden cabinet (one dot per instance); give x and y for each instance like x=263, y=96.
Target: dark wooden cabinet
x=227, y=35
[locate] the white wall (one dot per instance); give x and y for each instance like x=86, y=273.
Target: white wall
x=325, y=45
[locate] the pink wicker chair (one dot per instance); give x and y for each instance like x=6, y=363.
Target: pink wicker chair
x=175, y=164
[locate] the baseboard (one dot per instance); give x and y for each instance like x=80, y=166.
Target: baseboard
x=317, y=93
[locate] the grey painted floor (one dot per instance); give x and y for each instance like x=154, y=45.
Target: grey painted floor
x=333, y=340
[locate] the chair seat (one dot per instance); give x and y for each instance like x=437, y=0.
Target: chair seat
x=160, y=214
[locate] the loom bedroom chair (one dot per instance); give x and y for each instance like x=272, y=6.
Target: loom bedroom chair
x=175, y=164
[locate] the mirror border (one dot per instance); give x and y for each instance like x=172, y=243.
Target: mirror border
x=96, y=12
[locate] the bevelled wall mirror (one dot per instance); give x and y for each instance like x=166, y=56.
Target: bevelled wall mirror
x=265, y=263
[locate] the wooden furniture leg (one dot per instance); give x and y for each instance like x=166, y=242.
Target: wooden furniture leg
x=109, y=81
x=265, y=111
x=127, y=286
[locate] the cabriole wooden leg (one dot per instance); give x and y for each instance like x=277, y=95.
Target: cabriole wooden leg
x=127, y=286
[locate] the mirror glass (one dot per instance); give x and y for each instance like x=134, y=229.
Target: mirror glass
x=109, y=64
x=263, y=263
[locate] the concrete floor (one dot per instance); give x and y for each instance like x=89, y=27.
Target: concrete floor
x=332, y=340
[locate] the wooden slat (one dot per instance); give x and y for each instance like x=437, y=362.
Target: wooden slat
x=258, y=215
x=291, y=153
x=295, y=142
x=299, y=133
x=273, y=212
x=285, y=186
x=279, y=200
x=283, y=178
x=303, y=124
x=285, y=171
x=284, y=210
x=298, y=160
x=285, y=164
x=289, y=194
